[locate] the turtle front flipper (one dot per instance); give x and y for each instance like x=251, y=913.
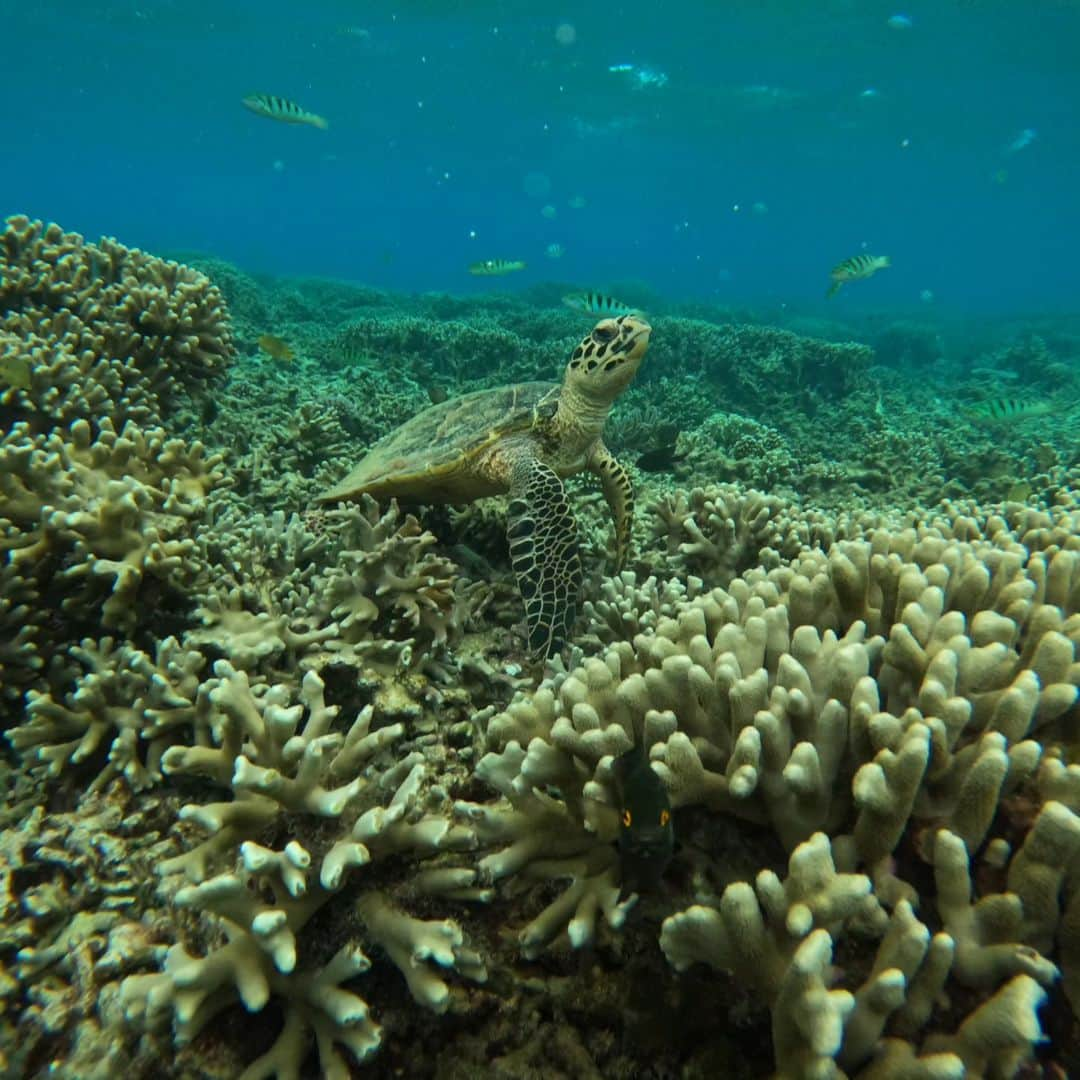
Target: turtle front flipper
x=544, y=554
x=619, y=495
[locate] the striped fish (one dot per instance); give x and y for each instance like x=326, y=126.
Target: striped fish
x=288, y=112
x=1004, y=409
x=856, y=268
x=593, y=303
x=496, y=267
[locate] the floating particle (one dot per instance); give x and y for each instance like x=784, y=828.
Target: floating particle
x=548, y=211
x=899, y=22
x=554, y=251
x=536, y=184
x=565, y=33
x=576, y=202
x=646, y=77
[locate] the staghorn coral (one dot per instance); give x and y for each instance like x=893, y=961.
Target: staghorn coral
x=98, y=501
x=124, y=705
x=96, y=528
x=21, y=634
x=759, y=367
x=778, y=936
x=288, y=768
x=717, y=532
x=739, y=448
x=479, y=349
x=367, y=595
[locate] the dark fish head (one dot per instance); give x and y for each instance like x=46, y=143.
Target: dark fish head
x=646, y=832
x=437, y=394
x=608, y=358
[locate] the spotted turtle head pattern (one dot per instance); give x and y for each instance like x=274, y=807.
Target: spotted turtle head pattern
x=608, y=358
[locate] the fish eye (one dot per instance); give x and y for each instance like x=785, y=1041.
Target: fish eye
x=604, y=333
x=665, y=817
x=627, y=818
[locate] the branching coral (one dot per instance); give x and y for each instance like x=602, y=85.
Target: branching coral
x=124, y=702
x=96, y=528
x=288, y=767
x=366, y=593
x=885, y=695
x=865, y=722
x=459, y=349
x=72, y=907
x=108, y=331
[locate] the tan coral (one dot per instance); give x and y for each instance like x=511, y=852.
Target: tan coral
x=122, y=329
x=283, y=758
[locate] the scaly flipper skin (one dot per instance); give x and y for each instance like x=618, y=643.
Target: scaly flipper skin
x=619, y=495
x=544, y=554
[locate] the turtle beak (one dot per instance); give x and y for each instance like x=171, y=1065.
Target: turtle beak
x=635, y=333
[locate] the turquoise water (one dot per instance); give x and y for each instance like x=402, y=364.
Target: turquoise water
x=451, y=125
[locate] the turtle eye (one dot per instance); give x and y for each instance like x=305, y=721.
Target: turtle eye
x=605, y=332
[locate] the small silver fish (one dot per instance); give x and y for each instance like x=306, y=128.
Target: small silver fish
x=856, y=268
x=288, y=112
x=593, y=303
x=1023, y=140
x=496, y=267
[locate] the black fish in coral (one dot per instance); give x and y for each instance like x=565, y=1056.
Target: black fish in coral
x=646, y=832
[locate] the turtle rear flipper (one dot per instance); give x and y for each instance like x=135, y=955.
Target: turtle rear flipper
x=542, y=533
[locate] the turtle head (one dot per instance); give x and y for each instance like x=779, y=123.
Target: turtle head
x=606, y=361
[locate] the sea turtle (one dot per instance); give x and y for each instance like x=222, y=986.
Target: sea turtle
x=523, y=439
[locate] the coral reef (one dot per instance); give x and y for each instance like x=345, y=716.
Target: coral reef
x=283, y=795
x=286, y=770
x=886, y=695
x=109, y=333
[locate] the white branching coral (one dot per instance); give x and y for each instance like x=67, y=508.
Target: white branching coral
x=884, y=694
x=288, y=765
x=366, y=590
x=124, y=701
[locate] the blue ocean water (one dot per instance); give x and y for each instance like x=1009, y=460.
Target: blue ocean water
x=750, y=146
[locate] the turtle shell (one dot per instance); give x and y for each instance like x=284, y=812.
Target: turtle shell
x=428, y=457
